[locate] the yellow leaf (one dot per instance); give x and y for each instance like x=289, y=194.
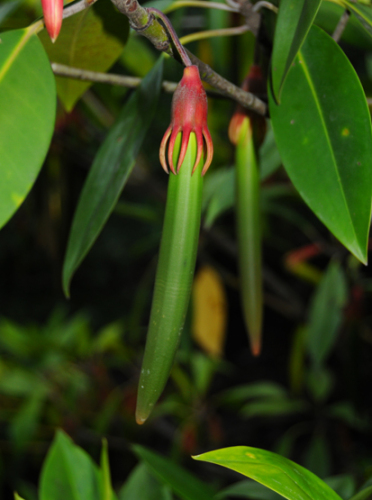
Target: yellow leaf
x=209, y=311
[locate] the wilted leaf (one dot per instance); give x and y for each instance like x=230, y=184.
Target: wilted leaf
x=209, y=311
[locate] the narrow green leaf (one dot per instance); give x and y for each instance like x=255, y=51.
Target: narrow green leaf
x=363, y=495
x=362, y=12
x=28, y=106
x=323, y=133
x=248, y=489
x=326, y=313
x=342, y=484
x=110, y=170
x=277, y=473
x=295, y=18
x=248, y=225
x=272, y=408
x=184, y=484
x=106, y=493
x=17, y=497
x=92, y=40
x=68, y=473
x=142, y=485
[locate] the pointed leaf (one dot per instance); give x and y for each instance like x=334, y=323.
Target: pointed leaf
x=277, y=473
x=362, y=12
x=142, y=485
x=110, y=170
x=295, y=18
x=182, y=482
x=92, y=40
x=326, y=313
x=28, y=105
x=68, y=472
x=323, y=133
x=106, y=491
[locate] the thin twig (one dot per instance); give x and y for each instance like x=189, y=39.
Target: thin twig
x=201, y=35
x=337, y=34
x=268, y=5
x=144, y=23
x=173, y=35
x=74, y=8
x=200, y=4
x=130, y=82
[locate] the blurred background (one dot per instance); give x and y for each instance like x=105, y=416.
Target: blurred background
x=74, y=364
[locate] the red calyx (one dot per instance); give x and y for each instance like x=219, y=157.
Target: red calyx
x=189, y=114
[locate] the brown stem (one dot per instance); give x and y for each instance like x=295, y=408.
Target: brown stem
x=337, y=34
x=145, y=23
x=172, y=33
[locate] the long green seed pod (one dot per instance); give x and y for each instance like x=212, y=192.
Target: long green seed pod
x=249, y=234
x=174, y=276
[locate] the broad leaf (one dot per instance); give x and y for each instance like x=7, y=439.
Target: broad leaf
x=110, y=170
x=142, y=485
x=27, y=104
x=323, y=132
x=184, y=484
x=248, y=489
x=277, y=473
x=362, y=12
x=92, y=40
x=295, y=18
x=68, y=473
x=326, y=313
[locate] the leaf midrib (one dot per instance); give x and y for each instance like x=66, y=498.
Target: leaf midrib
x=304, y=66
x=12, y=56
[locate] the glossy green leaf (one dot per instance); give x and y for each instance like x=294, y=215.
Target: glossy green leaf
x=295, y=18
x=184, y=484
x=142, y=485
x=326, y=313
x=27, y=104
x=68, y=473
x=110, y=170
x=323, y=132
x=92, y=40
x=277, y=473
x=362, y=12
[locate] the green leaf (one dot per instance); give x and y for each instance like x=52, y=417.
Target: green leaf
x=343, y=485
x=323, y=132
x=277, y=473
x=17, y=497
x=248, y=489
x=142, y=485
x=363, y=495
x=295, y=18
x=28, y=106
x=362, y=12
x=269, y=157
x=106, y=492
x=184, y=484
x=92, y=40
x=272, y=408
x=7, y=10
x=68, y=472
x=326, y=313
x=110, y=170
x=260, y=390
